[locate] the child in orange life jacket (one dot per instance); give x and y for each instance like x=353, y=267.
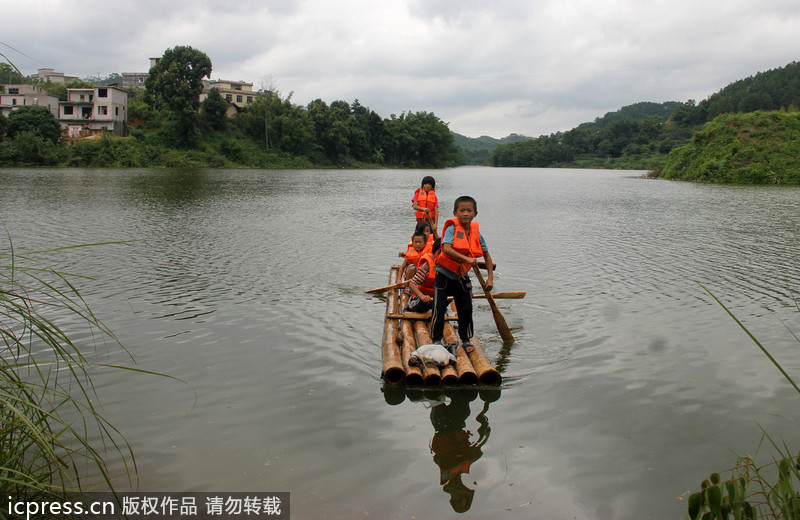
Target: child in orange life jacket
x=422, y=284
x=425, y=203
x=462, y=245
x=412, y=255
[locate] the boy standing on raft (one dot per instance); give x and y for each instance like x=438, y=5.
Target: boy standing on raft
x=462, y=245
x=425, y=203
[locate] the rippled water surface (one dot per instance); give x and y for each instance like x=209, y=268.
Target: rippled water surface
x=627, y=384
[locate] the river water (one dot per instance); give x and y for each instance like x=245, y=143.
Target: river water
x=626, y=387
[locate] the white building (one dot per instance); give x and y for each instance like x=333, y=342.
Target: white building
x=14, y=96
x=238, y=93
x=52, y=76
x=134, y=79
x=89, y=110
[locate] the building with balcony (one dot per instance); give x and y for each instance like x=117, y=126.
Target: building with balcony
x=93, y=110
x=238, y=93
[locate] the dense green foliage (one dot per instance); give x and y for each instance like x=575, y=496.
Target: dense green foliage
x=170, y=128
x=753, y=148
x=636, y=136
x=214, y=108
x=770, y=90
x=340, y=134
x=36, y=119
x=29, y=136
x=175, y=84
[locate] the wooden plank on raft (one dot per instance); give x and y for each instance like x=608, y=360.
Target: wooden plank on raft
x=413, y=373
x=417, y=316
x=487, y=374
x=431, y=375
x=464, y=369
x=447, y=374
x=392, y=363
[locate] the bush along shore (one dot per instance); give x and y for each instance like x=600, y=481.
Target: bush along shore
x=751, y=148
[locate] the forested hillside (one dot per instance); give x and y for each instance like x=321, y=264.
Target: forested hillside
x=641, y=136
x=751, y=148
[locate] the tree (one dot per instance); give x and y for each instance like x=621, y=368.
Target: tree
x=175, y=84
x=35, y=119
x=214, y=109
x=268, y=91
x=9, y=74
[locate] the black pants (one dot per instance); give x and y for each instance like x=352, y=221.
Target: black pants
x=461, y=291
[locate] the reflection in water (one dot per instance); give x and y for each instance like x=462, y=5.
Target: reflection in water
x=454, y=447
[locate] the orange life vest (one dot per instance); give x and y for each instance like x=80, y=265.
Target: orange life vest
x=412, y=253
x=426, y=199
x=471, y=248
x=427, y=286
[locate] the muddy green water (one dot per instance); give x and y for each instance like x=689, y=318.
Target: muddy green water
x=627, y=384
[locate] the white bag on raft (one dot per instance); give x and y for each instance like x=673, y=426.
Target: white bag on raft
x=433, y=354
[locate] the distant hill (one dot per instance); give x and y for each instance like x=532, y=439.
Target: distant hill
x=640, y=136
x=476, y=150
x=635, y=112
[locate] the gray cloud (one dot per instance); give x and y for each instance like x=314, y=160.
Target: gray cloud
x=485, y=67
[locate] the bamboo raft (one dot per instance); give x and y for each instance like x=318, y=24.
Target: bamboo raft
x=405, y=332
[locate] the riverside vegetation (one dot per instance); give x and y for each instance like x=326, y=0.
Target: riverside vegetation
x=170, y=128
x=54, y=443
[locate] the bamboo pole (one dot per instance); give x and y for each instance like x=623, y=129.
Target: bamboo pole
x=464, y=369
x=487, y=374
x=413, y=374
x=417, y=316
x=430, y=374
x=392, y=363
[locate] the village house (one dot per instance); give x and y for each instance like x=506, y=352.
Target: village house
x=93, y=110
x=238, y=93
x=14, y=96
x=49, y=75
x=134, y=79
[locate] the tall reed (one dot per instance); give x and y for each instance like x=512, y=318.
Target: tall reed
x=53, y=441
x=753, y=490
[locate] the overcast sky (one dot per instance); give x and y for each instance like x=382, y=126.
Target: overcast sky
x=485, y=67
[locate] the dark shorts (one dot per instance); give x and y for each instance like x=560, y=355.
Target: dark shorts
x=416, y=305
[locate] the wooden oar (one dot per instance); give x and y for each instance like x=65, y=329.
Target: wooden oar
x=504, y=295
x=388, y=287
x=499, y=320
